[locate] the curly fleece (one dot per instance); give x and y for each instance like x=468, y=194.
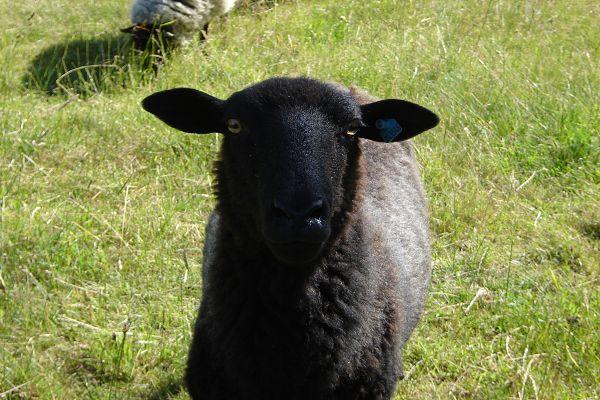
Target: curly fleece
x=188, y=16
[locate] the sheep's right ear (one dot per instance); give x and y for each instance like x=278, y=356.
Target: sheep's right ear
x=187, y=110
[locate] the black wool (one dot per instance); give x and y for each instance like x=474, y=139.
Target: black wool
x=317, y=257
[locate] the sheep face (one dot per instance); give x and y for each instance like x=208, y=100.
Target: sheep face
x=286, y=155
x=143, y=34
x=290, y=153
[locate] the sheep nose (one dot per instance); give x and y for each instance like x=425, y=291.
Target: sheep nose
x=298, y=219
x=314, y=208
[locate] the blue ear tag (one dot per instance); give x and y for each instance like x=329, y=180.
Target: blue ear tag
x=389, y=129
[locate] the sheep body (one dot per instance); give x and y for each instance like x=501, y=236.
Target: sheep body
x=395, y=232
x=395, y=197
x=187, y=16
x=332, y=329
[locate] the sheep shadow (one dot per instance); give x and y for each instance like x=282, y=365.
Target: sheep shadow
x=590, y=229
x=87, y=66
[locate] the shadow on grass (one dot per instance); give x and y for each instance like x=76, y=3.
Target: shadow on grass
x=88, y=66
x=166, y=390
x=591, y=229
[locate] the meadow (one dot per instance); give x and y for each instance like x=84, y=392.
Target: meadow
x=102, y=208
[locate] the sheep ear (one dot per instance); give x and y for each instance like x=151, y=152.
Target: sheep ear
x=129, y=29
x=187, y=110
x=395, y=120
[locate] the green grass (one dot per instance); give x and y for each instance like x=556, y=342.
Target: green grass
x=103, y=208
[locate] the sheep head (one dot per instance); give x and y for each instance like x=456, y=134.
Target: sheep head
x=143, y=34
x=290, y=153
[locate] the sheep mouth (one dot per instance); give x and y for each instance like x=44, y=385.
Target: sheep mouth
x=296, y=252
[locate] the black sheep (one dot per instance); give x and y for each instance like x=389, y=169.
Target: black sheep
x=317, y=257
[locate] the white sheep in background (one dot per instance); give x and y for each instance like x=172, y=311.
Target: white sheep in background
x=178, y=20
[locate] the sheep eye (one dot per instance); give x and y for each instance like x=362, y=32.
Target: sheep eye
x=353, y=128
x=234, y=126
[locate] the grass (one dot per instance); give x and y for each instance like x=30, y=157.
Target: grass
x=103, y=208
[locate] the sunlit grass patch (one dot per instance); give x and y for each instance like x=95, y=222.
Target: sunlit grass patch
x=102, y=208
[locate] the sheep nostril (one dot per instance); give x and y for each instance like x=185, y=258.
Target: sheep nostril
x=281, y=211
x=313, y=210
x=317, y=210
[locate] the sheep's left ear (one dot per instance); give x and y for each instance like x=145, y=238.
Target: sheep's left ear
x=395, y=120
